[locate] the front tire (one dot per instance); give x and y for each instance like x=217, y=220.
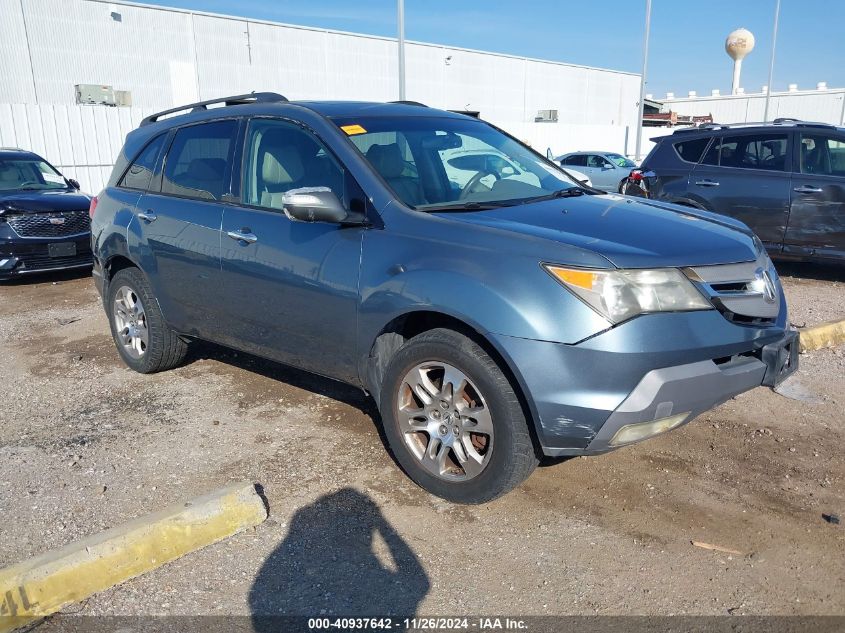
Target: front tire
x=453, y=420
x=143, y=339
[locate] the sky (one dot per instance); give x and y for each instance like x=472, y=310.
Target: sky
x=686, y=44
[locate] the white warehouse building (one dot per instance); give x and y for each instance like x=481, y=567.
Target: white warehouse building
x=821, y=104
x=160, y=57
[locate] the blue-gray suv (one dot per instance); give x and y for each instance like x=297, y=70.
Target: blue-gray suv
x=495, y=317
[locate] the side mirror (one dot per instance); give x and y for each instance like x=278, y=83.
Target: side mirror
x=74, y=183
x=313, y=204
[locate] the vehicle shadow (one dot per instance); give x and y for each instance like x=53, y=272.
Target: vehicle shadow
x=341, y=557
x=299, y=378
x=806, y=270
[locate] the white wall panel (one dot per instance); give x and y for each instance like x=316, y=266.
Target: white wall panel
x=289, y=61
x=166, y=57
x=16, y=86
x=81, y=141
x=818, y=105
x=77, y=41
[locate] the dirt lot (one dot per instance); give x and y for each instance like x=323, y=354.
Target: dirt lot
x=87, y=444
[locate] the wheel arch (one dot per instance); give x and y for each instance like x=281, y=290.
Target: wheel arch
x=691, y=201
x=404, y=327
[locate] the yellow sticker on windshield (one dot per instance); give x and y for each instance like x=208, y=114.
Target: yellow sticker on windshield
x=353, y=129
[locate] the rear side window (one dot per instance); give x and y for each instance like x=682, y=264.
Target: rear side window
x=597, y=162
x=579, y=160
x=141, y=170
x=199, y=160
x=751, y=151
x=822, y=154
x=691, y=150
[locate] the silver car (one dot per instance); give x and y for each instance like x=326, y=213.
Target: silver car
x=606, y=170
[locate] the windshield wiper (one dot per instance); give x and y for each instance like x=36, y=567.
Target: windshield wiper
x=569, y=192
x=468, y=206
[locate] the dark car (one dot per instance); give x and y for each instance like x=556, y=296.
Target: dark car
x=493, y=320
x=44, y=221
x=785, y=180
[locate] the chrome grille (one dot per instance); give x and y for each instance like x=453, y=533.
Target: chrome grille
x=748, y=293
x=51, y=224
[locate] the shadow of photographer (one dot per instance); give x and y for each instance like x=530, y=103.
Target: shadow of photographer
x=340, y=558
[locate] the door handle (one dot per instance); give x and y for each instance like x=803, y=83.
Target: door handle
x=148, y=215
x=244, y=235
x=808, y=189
x=707, y=183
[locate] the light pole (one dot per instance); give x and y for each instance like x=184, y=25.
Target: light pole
x=400, y=18
x=638, y=154
x=772, y=61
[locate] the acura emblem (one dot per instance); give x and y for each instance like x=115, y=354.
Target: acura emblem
x=57, y=221
x=769, y=290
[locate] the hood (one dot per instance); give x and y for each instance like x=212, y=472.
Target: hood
x=39, y=201
x=628, y=232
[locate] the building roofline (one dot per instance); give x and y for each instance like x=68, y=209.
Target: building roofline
x=756, y=95
x=225, y=16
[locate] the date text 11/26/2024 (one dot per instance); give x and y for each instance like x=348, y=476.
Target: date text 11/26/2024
x=418, y=624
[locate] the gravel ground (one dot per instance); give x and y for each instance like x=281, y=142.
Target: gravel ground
x=816, y=294
x=87, y=444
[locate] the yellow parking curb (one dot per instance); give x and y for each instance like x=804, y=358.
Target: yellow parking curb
x=44, y=584
x=824, y=335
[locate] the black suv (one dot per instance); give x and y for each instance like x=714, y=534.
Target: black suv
x=786, y=180
x=44, y=221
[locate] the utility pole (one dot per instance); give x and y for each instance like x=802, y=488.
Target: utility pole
x=638, y=154
x=772, y=61
x=400, y=16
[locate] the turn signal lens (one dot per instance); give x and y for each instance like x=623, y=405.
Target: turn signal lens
x=581, y=278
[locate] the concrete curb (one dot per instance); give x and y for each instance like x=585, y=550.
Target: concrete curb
x=42, y=585
x=824, y=335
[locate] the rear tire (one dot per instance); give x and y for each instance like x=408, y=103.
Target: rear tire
x=143, y=339
x=453, y=420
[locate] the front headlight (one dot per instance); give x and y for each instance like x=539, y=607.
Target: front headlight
x=618, y=295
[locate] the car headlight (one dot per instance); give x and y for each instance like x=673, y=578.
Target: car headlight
x=618, y=295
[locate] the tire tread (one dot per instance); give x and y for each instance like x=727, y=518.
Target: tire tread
x=166, y=349
x=523, y=457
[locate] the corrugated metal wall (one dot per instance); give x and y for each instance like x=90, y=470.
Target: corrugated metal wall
x=817, y=105
x=81, y=141
x=165, y=57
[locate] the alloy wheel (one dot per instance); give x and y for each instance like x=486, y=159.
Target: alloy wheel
x=130, y=321
x=445, y=421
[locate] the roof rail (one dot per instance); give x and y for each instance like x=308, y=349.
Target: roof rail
x=252, y=97
x=413, y=103
x=703, y=126
x=12, y=149
x=801, y=123
x=782, y=121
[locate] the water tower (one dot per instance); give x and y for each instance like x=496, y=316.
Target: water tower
x=738, y=45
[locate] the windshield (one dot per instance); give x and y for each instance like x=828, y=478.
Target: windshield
x=621, y=161
x=438, y=162
x=29, y=174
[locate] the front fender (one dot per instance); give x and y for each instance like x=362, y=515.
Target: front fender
x=505, y=293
